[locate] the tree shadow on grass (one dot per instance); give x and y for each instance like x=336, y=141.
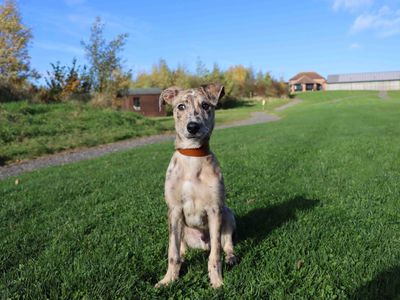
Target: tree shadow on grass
x=386, y=285
x=259, y=223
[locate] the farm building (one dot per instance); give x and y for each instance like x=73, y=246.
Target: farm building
x=365, y=81
x=307, y=81
x=144, y=101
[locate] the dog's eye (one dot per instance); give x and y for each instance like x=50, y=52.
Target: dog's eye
x=181, y=106
x=205, y=106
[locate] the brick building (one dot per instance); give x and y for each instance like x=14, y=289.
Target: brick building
x=144, y=101
x=307, y=81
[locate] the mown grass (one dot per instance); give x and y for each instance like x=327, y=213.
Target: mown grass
x=29, y=130
x=315, y=196
x=242, y=111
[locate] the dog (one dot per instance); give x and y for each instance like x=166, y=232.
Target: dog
x=194, y=186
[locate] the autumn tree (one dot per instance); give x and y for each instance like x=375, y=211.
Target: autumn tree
x=216, y=75
x=14, y=41
x=236, y=79
x=143, y=80
x=104, y=58
x=161, y=75
x=202, y=72
x=64, y=81
x=259, y=84
x=268, y=82
x=182, y=77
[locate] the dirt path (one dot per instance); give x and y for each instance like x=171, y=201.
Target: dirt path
x=76, y=155
x=290, y=104
x=256, y=118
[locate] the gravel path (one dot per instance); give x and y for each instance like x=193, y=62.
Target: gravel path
x=291, y=103
x=256, y=118
x=75, y=155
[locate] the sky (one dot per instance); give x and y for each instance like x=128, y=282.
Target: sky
x=281, y=37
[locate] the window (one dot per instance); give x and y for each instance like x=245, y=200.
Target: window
x=136, y=103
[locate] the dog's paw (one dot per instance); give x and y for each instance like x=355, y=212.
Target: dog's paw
x=217, y=283
x=163, y=282
x=231, y=260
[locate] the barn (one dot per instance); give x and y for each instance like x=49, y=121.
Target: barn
x=365, y=81
x=306, y=81
x=144, y=101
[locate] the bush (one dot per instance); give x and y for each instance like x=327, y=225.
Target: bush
x=44, y=95
x=9, y=93
x=229, y=101
x=102, y=100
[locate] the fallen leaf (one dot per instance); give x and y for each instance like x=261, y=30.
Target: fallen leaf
x=299, y=264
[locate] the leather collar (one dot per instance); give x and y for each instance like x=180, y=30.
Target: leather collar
x=196, y=152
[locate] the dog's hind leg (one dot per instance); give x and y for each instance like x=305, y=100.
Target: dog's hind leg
x=183, y=249
x=227, y=232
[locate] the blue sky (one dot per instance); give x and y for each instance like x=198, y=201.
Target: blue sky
x=283, y=37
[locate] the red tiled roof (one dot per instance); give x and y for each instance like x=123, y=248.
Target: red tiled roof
x=310, y=75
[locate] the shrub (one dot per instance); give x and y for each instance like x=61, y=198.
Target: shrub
x=10, y=92
x=102, y=99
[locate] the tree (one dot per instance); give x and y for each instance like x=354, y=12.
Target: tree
x=14, y=41
x=260, y=85
x=161, y=75
x=63, y=81
x=104, y=57
x=268, y=81
x=216, y=75
x=236, y=80
x=202, y=72
x=181, y=77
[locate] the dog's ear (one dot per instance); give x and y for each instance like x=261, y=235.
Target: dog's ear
x=214, y=92
x=168, y=95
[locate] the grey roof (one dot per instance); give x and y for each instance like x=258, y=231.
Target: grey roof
x=361, y=77
x=141, y=91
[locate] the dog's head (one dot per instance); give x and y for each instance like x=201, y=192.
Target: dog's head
x=194, y=112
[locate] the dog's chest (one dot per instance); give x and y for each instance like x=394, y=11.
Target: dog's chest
x=193, y=206
x=195, y=184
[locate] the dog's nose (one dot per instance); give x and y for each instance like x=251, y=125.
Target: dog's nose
x=193, y=127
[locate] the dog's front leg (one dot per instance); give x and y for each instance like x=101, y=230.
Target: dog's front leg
x=175, y=220
x=214, y=262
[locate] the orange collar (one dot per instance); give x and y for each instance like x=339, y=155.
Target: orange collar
x=196, y=152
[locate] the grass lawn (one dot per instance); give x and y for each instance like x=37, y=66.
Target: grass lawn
x=243, y=111
x=30, y=130
x=316, y=197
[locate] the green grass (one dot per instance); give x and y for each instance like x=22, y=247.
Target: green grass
x=241, y=112
x=316, y=197
x=29, y=130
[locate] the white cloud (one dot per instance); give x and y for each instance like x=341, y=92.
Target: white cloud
x=354, y=46
x=384, y=23
x=351, y=4
x=80, y=19
x=60, y=47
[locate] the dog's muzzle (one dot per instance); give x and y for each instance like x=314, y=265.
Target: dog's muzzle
x=193, y=127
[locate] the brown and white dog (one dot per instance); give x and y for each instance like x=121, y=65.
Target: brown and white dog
x=194, y=186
